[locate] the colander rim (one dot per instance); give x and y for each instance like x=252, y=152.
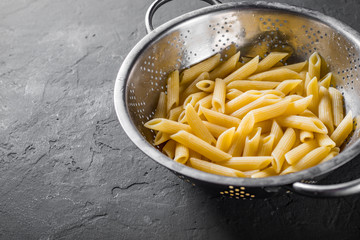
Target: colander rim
x=135, y=136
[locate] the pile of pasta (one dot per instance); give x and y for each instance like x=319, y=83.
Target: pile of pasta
x=254, y=119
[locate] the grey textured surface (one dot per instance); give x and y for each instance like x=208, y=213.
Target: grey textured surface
x=68, y=171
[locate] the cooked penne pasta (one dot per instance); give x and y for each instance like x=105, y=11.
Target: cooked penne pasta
x=218, y=99
x=197, y=126
x=324, y=140
x=233, y=93
x=215, y=130
x=225, y=68
x=220, y=118
x=288, y=85
x=181, y=153
x=314, y=65
x=303, y=123
x=325, y=110
x=297, y=153
x=252, y=143
x=196, y=144
x=161, y=108
x=312, y=158
x=172, y=90
x=169, y=148
x=192, y=87
x=275, y=75
x=313, y=89
x=192, y=73
x=215, y=168
x=247, y=163
x=326, y=80
x=337, y=105
x=306, y=136
x=297, y=67
x=343, y=130
x=266, y=145
x=206, y=85
x=268, y=172
x=160, y=138
x=245, y=85
x=270, y=60
x=166, y=126
x=285, y=144
x=234, y=127
x=225, y=139
x=244, y=71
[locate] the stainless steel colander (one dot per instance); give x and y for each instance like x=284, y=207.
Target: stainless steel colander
x=254, y=28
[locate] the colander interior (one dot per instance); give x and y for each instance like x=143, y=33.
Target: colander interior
x=253, y=31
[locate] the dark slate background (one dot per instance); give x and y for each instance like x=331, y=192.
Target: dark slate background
x=68, y=170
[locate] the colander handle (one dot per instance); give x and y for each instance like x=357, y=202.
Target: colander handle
x=156, y=5
x=334, y=190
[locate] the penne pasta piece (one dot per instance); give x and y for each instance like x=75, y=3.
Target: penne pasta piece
x=245, y=127
x=245, y=85
x=172, y=90
x=175, y=113
x=285, y=144
x=190, y=74
x=326, y=80
x=271, y=111
x=332, y=154
x=166, y=126
x=204, y=102
x=288, y=170
x=275, y=75
x=265, y=100
x=297, y=67
x=218, y=99
x=169, y=148
x=181, y=153
x=197, y=126
x=266, y=145
x=244, y=71
x=264, y=125
x=233, y=93
x=194, y=98
x=268, y=172
x=288, y=85
x=325, y=110
x=324, y=140
x=270, y=60
x=198, y=145
x=306, y=83
x=313, y=89
x=206, y=85
x=312, y=158
x=247, y=163
x=252, y=143
x=314, y=65
x=182, y=117
x=226, y=68
x=220, y=118
x=276, y=132
x=306, y=136
x=297, y=153
x=160, y=138
x=303, y=123
x=161, y=108
x=298, y=106
x=294, y=98
x=242, y=100
x=192, y=87
x=215, y=168
x=193, y=154
x=337, y=105
x=343, y=130
x=215, y=130
x=225, y=139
